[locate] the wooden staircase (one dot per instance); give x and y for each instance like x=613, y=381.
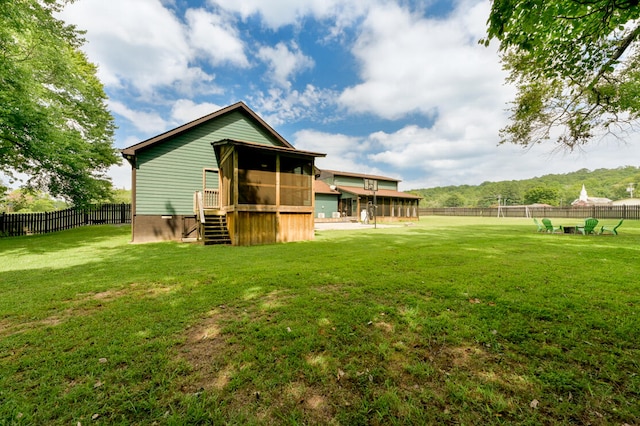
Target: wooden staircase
x=214, y=230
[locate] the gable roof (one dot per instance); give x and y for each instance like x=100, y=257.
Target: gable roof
x=358, y=175
x=322, y=187
x=282, y=149
x=380, y=193
x=627, y=202
x=238, y=106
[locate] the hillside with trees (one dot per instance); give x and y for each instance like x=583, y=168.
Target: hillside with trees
x=556, y=189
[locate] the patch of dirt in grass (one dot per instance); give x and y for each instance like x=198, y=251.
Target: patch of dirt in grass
x=273, y=300
x=103, y=295
x=338, y=289
x=300, y=393
x=384, y=326
x=319, y=361
x=221, y=380
x=158, y=291
x=212, y=352
x=508, y=380
x=315, y=402
x=146, y=290
x=465, y=356
x=8, y=328
x=83, y=305
x=205, y=350
x=50, y=321
x=484, y=366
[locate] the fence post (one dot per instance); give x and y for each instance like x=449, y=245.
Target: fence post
x=2, y=225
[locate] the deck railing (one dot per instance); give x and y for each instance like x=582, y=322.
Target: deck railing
x=211, y=199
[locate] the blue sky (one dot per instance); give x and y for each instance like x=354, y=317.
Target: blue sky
x=394, y=88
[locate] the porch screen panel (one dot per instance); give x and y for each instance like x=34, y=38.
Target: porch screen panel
x=384, y=207
x=226, y=175
x=256, y=178
x=295, y=181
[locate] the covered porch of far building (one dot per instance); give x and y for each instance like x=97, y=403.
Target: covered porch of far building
x=391, y=205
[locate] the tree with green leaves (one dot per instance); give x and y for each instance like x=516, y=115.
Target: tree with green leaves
x=26, y=201
x=541, y=195
x=3, y=196
x=576, y=66
x=55, y=127
x=454, y=200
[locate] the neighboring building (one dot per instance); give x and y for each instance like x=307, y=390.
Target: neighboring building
x=327, y=200
x=353, y=197
x=627, y=202
x=585, y=200
x=227, y=177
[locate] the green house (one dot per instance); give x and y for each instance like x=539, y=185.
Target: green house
x=376, y=195
x=227, y=177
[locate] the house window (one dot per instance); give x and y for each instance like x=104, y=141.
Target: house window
x=295, y=181
x=256, y=177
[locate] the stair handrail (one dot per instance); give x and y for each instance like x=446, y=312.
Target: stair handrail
x=200, y=206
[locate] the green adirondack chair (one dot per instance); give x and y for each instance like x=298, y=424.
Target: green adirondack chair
x=541, y=227
x=611, y=230
x=550, y=228
x=589, y=226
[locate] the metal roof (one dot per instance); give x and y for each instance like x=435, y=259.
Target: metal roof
x=289, y=150
x=379, y=193
x=359, y=175
x=323, y=188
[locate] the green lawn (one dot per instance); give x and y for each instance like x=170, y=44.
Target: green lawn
x=447, y=321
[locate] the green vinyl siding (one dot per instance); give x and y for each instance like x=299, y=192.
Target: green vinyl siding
x=358, y=182
x=389, y=185
x=327, y=204
x=348, y=181
x=170, y=172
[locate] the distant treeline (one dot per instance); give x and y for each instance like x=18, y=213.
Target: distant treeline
x=555, y=190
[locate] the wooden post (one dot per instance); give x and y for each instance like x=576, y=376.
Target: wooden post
x=277, y=221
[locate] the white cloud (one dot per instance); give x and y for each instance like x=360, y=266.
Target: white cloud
x=185, y=110
x=427, y=66
x=148, y=122
x=278, y=106
x=344, y=153
x=139, y=43
x=284, y=63
x=278, y=13
x=120, y=175
x=216, y=38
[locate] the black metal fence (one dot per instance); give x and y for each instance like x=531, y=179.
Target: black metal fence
x=14, y=224
x=599, y=212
